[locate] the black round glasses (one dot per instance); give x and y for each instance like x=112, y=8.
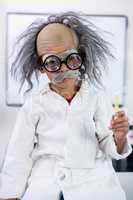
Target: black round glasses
x=53, y=63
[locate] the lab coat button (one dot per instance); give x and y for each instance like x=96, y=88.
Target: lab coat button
x=62, y=177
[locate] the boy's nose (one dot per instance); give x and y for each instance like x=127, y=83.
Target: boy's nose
x=64, y=68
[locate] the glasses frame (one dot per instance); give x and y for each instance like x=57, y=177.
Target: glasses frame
x=61, y=62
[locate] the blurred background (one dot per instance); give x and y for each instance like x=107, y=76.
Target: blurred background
x=8, y=114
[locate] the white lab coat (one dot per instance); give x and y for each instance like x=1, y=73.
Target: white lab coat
x=73, y=150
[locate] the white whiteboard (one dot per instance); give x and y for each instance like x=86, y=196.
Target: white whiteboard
x=114, y=30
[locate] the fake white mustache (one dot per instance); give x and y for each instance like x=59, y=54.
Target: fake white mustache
x=61, y=76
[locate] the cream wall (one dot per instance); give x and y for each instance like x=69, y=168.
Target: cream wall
x=125, y=7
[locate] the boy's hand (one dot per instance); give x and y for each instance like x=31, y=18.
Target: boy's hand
x=120, y=127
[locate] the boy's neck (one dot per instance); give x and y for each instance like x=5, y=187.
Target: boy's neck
x=66, y=89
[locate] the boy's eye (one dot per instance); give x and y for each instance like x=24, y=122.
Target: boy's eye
x=52, y=63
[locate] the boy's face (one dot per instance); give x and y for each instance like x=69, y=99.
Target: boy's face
x=56, y=39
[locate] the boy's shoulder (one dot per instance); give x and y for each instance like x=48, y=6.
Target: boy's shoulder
x=93, y=89
x=36, y=95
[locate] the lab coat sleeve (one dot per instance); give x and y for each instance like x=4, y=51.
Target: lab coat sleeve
x=102, y=118
x=18, y=163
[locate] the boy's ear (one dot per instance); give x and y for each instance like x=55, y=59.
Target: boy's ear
x=40, y=67
x=42, y=70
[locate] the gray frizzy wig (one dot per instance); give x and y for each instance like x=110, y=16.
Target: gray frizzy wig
x=92, y=48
